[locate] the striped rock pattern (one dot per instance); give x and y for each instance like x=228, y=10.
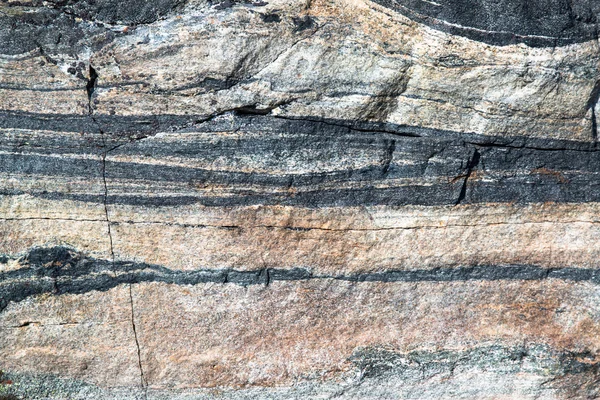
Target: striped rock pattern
x=299, y=199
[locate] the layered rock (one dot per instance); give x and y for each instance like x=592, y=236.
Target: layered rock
x=299, y=199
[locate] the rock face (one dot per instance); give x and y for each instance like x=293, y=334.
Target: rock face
x=286, y=199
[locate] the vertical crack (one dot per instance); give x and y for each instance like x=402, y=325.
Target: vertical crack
x=90, y=88
x=472, y=164
x=143, y=381
x=106, y=215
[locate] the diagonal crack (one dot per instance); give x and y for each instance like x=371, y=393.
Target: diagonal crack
x=472, y=164
x=388, y=157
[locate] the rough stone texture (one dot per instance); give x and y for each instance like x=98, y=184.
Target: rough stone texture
x=299, y=199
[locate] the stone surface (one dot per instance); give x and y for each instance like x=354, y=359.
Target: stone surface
x=299, y=199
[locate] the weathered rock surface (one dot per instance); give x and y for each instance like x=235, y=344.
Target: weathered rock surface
x=285, y=199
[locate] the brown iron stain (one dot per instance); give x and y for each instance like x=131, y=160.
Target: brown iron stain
x=545, y=171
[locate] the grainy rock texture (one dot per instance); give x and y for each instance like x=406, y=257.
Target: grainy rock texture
x=299, y=199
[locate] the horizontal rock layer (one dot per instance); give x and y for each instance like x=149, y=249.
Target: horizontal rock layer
x=299, y=199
